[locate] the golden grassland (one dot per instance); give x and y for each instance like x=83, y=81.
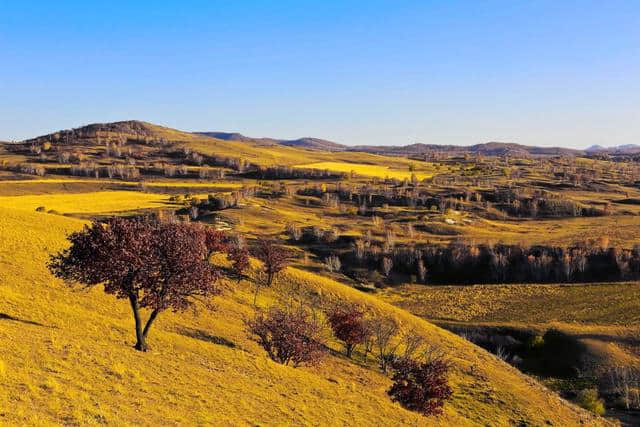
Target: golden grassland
x=366, y=169
x=167, y=183
x=67, y=359
x=95, y=202
x=601, y=304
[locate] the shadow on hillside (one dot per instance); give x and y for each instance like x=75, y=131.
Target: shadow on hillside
x=201, y=335
x=4, y=316
x=626, y=340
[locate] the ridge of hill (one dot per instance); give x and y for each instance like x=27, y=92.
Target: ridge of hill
x=233, y=143
x=487, y=149
x=306, y=142
x=68, y=357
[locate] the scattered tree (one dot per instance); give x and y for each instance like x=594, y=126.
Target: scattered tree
x=155, y=265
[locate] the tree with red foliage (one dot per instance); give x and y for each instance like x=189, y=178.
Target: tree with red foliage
x=420, y=386
x=155, y=265
x=349, y=325
x=274, y=259
x=288, y=336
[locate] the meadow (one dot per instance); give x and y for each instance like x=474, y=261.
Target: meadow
x=377, y=171
x=77, y=366
x=378, y=238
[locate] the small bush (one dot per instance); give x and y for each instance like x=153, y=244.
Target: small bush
x=420, y=386
x=41, y=209
x=589, y=400
x=288, y=336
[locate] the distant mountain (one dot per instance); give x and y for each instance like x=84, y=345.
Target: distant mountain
x=133, y=129
x=619, y=149
x=487, y=149
x=312, y=143
x=595, y=148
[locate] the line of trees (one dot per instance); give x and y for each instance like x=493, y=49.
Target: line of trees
x=500, y=263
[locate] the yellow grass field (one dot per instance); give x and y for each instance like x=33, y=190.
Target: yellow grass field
x=185, y=184
x=96, y=202
x=68, y=359
x=366, y=170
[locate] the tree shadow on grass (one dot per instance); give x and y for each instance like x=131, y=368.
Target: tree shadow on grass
x=201, y=335
x=4, y=316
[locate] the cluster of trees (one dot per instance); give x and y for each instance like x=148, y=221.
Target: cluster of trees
x=285, y=172
x=311, y=234
x=295, y=335
x=522, y=203
x=467, y=263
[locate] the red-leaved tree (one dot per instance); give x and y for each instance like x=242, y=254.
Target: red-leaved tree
x=154, y=265
x=349, y=325
x=288, y=336
x=420, y=386
x=274, y=259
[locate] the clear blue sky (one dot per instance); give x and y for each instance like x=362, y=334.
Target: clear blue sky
x=556, y=72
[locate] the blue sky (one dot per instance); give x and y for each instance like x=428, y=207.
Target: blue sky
x=372, y=72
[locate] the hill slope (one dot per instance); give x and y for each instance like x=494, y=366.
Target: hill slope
x=67, y=358
x=253, y=151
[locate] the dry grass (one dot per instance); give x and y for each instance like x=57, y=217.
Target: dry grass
x=68, y=359
x=94, y=203
x=366, y=170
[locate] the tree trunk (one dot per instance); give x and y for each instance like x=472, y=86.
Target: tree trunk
x=141, y=345
x=153, y=316
x=255, y=294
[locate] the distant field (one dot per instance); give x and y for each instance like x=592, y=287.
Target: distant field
x=96, y=202
x=225, y=184
x=364, y=169
x=602, y=304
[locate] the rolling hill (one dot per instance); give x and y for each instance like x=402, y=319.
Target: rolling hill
x=68, y=358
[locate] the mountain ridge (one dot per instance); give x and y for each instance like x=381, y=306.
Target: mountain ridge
x=137, y=128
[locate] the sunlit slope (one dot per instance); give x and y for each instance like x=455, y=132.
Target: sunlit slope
x=263, y=154
x=67, y=358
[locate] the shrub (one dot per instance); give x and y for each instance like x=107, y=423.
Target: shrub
x=589, y=400
x=420, y=386
x=349, y=325
x=41, y=209
x=288, y=336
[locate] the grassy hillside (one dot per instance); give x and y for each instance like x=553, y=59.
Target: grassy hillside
x=67, y=359
x=260, y=153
